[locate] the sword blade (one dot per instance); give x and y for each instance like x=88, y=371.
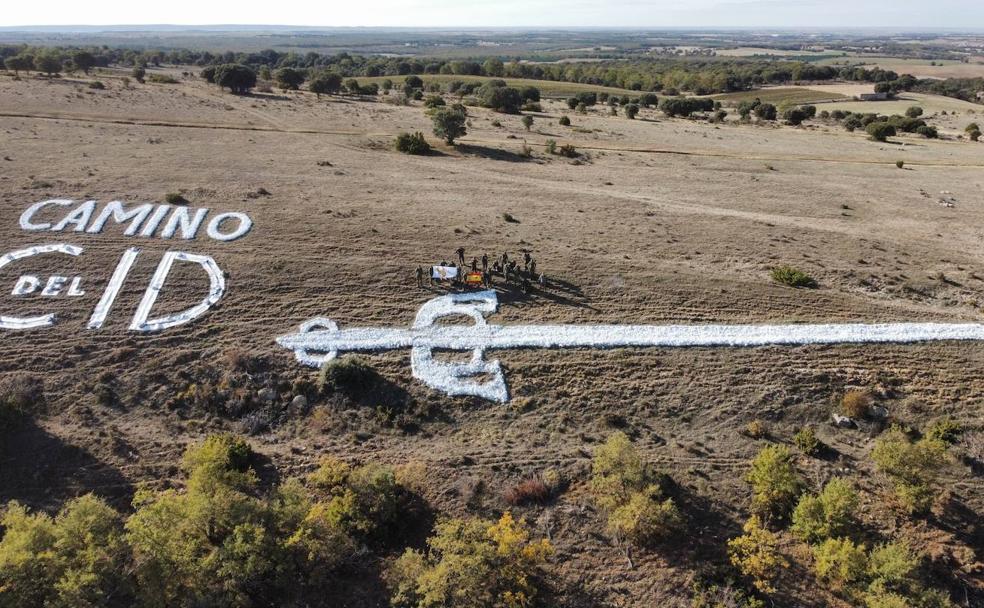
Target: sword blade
x=614, y=336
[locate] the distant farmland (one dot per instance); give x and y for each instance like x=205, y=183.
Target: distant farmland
x=781, y=96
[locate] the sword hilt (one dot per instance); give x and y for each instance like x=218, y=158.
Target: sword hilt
x=303, y=354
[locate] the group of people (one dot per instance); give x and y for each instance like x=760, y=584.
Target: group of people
x=502, y=266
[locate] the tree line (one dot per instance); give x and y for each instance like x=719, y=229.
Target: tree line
x=698, y=75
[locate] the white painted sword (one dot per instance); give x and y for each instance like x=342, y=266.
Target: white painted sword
x=320, y=340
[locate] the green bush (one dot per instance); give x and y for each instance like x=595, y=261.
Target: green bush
x=327, y=83
x=974, y=135
x=527, y=121
x=551, y=146
x=787, y=275
x=946, y=430
x=411, y=143
x=685, y=106
x=774, y=480
x=840, y=561
x=766, y=111
x=564, y=121
x=175, y=198
x=471, y=563
x=162, y=79
x=568, y=150
x=631, y=111
x=434, y=101
x=97, y=84
x=913, y=467
x=928, y=132
x=289, y=79
x=138, y=74
x=829, y=514
x=914, y=112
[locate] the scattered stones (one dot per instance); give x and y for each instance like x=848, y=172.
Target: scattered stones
x=844, y=422
x=266, y=394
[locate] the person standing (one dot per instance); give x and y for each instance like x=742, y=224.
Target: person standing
x=420, y=276
x=485, y=262
x=461, y=256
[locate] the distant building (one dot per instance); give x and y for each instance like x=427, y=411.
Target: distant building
x=873, y=96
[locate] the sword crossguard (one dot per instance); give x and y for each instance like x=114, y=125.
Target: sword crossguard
x=317, y=343
x=451, y=377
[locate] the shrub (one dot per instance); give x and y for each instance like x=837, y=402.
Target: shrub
x=974, y=135
x=766, y=111
x=756, y=429
x=647, y=100
x=807, y=442
x=685, y=106
x=434, y=101
x=631, y=110
x=347, y=373
x=810, y=111
x=794, y=116
x=162, y=79
x=412, y=143
x=530, y=93
x=971, y=127
x=787, y=275
x=97, y=84
x=581, y=108
x=527, y=122
x=531, y=490
x=855, y=404
x=900, y=164
x=946, y=430
x=568, y=150
x=928, y=132
x=471, y=564
x=449, y=124
x=646, y=517
x=20, y=396
x=829, y=514
x=880, y=131
x=138, y=74
x=551, y=146
x=175, y=198
x=840, y=561
x=564, y=121
x=775, y=483
x=914, y=112
x=756, y=555
x=913, y=467
x=853, y=122
x=625, y=487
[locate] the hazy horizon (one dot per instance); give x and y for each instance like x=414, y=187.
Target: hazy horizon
x=908, y=15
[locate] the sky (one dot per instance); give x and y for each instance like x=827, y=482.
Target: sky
x=909, y=14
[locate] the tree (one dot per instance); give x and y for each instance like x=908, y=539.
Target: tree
x=413, y=82
x=289, y=78
x=625, y=487
x=775, y=483
x=49, y=63
x=327, y=83
x=236, y=77
x=766, y=111
x=138, y=74
x=471, y=564
x=756, y=555
x=449, y=124
x=631, y=110
x=208, y=73
x=914, y=112
x=493, y=67
x=352, y=85
x=19, y=62
x=840, y=561
x=913, y=467
x=648, y=100
x=831, y=513
x=794, y=116
x=880, y=131
x=83, y=60
x=530, y=93
x=527, y=121
x=77, y=558
x=500, y=97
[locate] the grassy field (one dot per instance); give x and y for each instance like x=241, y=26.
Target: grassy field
x=920, y=68
x=548, y=88
x=780, y=96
